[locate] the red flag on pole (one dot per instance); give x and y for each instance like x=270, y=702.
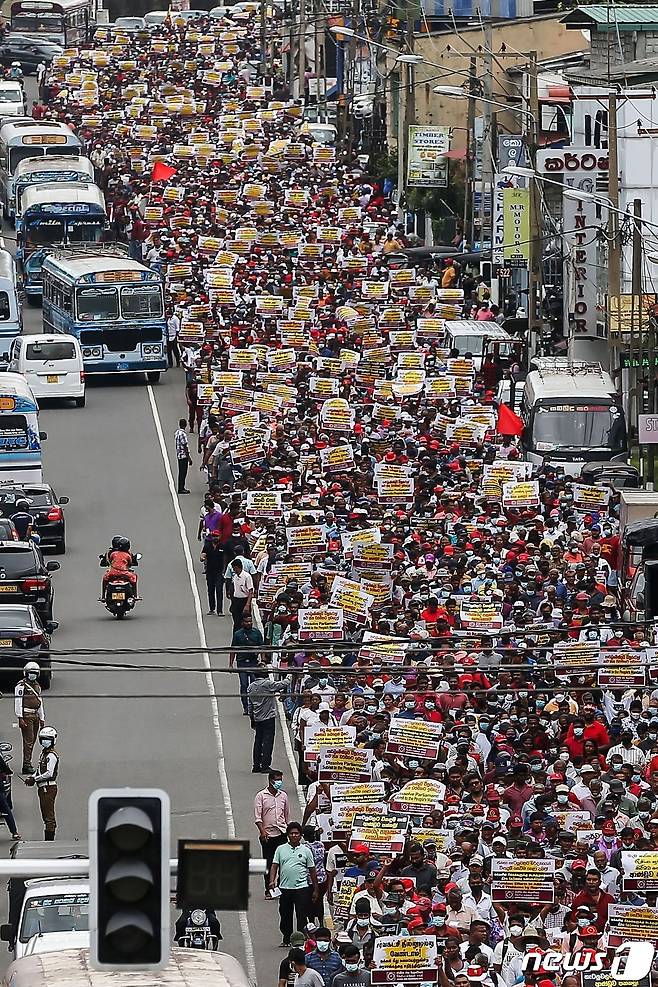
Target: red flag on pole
x=162, y=172
x=508, y=422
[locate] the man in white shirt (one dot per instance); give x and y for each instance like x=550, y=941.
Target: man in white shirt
x=241, y=591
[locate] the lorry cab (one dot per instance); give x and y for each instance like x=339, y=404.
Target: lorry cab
x=638, y=593
x=572, y=415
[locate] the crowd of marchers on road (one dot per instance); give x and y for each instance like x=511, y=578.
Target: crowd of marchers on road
x=435, y=620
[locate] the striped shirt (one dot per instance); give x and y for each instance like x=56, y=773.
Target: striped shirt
x=630, y=755
x=182, y=447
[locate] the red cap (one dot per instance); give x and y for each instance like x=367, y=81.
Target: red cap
x=360, y=848
x=579, y=865
x=589, y=930
x=515, y=821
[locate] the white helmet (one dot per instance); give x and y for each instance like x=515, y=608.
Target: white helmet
x=32, y=666
x=48, y=733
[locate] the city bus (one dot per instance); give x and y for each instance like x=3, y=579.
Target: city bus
x=20, y=438
x=54, y=168
x=30, y=139
x=114, y=305
x=54, y=215
x=66, y=22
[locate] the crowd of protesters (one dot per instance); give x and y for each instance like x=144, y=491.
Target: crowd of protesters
x=475, y=725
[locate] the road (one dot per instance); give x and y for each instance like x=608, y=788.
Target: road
x=143, y=725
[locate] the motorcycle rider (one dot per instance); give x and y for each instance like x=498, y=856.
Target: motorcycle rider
x=120, y=559
x=197, y=920
x=23, y=519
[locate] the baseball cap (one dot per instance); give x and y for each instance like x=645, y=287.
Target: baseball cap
x=361, y=848
x=589, y=930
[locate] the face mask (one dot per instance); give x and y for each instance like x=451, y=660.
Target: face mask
x=578, y=731
x=371, y=709
x=439, y=921
x=323, y=945
x=390, y=911
x=582, y=922
x=46, y=743
x=635, y=716
x=484, y=724
x=430, y=706
x=516, y=930
x=351, y=967
x=32, y=676
x=278, y=784
x=619, y=634
x=562, y=797
x=410, y=705
x=466, y=588
x=324, y=682
x=653, y=734
x=636, y=778
x=413, y=765
x=363, y=922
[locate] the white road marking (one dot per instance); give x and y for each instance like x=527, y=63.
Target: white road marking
x=219, y=740
x=285, y=732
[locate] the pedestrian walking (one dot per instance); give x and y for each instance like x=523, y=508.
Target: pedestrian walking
x=246, y=637
x=212, y=556
x=46, y=780
x=292, y=868
x=182, y=455
x=271, y=814
x=173, y=349
x=6, y=808
x=261, y=696
x=240, y=588
x=28, y=706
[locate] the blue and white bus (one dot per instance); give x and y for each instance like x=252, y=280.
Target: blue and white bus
x=55, y=168
x=56, y=214
x=114, y=305
x=31, y=139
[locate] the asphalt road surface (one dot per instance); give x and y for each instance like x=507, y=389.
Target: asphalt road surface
x=144, y=724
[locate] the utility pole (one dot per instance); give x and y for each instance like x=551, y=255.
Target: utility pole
x=614, y=258
x=470, y=150
x=301, y=47
x=406, y=114
x=263, y=38
x=536, y=247
x=486, y=171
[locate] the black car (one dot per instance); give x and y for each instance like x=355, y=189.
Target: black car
x=25, y=577
x=28, y=52
x=46, y=507
x=25, y=637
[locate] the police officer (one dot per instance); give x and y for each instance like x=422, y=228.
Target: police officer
x=28, y=705
x=46, y=780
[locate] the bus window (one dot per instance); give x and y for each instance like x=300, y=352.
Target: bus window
x=13, y=432
x=4, y=306
x=144, y=302
x=97, y=304
x=17, y=154
x=85, y=230
x=72, y=149
x=43, y=233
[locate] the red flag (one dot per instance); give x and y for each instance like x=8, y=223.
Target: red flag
x=162, y=172
x=508, y=422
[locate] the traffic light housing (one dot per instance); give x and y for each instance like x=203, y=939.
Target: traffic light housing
x=129, y=878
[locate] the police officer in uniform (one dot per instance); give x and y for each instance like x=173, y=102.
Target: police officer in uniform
x=28, y=705
x=46, y=780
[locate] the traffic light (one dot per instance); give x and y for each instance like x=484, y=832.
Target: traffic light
x=129, y=878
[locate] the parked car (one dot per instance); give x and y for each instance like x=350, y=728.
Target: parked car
x=25, y=637
x=46, y=507
x=29, y=52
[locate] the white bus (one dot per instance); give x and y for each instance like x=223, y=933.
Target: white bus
x=30, y=139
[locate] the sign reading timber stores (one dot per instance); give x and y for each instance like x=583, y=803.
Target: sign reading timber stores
x=427, y=164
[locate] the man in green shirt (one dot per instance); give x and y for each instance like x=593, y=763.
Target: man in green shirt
x=292, y=870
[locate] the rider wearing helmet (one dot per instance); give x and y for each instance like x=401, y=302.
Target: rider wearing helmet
x=120, y=560
x=23, y=519
x=28, y=706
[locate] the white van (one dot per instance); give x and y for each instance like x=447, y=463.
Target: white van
x=52, y=366
x=54, y=916
x=13, y=102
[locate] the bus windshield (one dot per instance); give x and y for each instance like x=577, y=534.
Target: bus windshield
x=144, y=302
x=55, y=913
x=37, y=22
x=17, y=154
x=579, y=426
x=43, y=232
x=97, y=304
x=85, y=230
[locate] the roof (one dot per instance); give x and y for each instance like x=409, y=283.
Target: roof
x=471, y=327
x=62, y=193
x=7, y=265
x=54, y=162
x=78, y=265
x=611, y=18
x=559, y=383
x=26, y=127
x=186, y=968
x=15, y=384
